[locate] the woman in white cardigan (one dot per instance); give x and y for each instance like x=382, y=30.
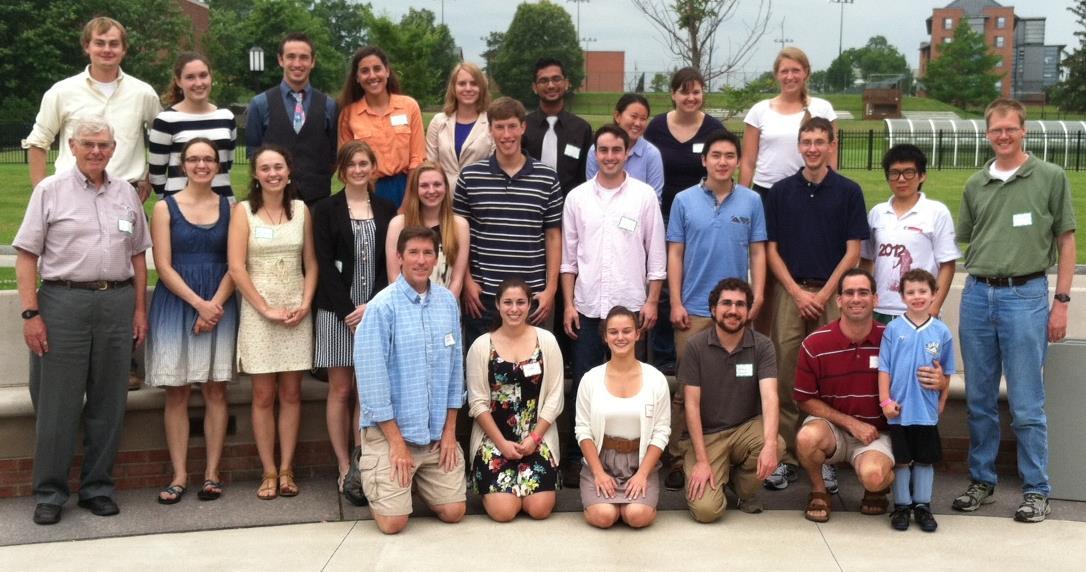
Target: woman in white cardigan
x=623, y=425
x=460, y=134
x=514, y=379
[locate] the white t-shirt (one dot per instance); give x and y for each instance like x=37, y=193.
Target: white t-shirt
x=922, y=238
x=1001, y=174
x=778, y=152
x=106, y=87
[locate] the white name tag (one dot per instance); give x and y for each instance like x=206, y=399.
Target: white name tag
x=744, y=369
x=648, y=410
x=264, y=232
x=572, y=151
x=1022, y=219
x=399, y=120
x=339, y=265
x=124, y=226
x=873, y=362
x=449, y=340
x=627, y=223
x=532, y=369
x=697, y=147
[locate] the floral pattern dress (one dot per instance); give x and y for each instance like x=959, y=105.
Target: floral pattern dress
x=514, y=402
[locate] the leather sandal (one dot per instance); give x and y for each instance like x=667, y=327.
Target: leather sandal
x=210, y=490
x=874, y=502
x=287, y=486
x=818, y=502
x=267, y=490
x=176, y=492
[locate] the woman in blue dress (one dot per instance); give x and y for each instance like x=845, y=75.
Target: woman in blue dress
x=194, y=315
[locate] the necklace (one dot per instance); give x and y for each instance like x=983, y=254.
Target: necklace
x=274, y=221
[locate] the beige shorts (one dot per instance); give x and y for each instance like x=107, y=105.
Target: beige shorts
x=849, y=448
x=434, y=485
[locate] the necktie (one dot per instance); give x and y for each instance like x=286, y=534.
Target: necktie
x=549, y=154
x=299, y=111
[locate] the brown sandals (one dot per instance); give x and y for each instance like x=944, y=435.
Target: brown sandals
x=287, y=486
x=818, y=502
x=874, y=503
x=267, y=490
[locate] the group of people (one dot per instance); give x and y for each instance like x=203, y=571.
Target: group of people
x=467, y=264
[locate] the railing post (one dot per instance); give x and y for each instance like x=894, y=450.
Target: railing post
x=870, y=147
x=1078, y=150
x=939, y=145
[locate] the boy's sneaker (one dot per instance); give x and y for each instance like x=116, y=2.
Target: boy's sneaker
x=976, y=495
x=1034, y=508
x=829, y=477
x=780, y=477
x=924, y=518
x=899, y=519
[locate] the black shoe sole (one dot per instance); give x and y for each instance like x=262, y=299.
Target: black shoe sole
x=99, y=512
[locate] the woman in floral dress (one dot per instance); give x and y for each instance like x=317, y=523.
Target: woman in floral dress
x=514, y=379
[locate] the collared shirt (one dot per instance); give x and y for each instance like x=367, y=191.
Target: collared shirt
x=574, y=138
x=716, y=239
x=1011, y=226
x=508, y=218
x=921, y=238
x=643, y=163
x=682, y=159
x=730, y=391
x=813, y=222
x=841, y=373
x=257, y=117
x=397, y=136
x=613, y=240
x=410, y=360
x=905, y=347
x=81, y=232
x=129, y=110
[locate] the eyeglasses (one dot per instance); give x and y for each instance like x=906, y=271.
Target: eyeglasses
x=197, y=160
x=737, y=304
x=815, y=143
x=907, y=174
x=1001, y=131
x=99, y=145
x=856, y=293
x=556, y=80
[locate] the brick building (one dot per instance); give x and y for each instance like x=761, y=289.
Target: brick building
x=604, y=71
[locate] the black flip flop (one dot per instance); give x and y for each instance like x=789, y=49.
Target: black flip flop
x=207, y=491
x=178, y=491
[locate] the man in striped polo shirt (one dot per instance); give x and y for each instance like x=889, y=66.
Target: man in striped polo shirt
x=513, y=205
x=837, y=385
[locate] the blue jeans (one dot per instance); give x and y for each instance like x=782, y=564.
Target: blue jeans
x=475, y=327
x=1005, y=331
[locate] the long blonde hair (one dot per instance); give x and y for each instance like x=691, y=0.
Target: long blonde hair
x=797, y=55
x=412, y=209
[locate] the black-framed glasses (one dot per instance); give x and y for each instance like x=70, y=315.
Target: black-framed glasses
x=907, y=174
x=548, y=80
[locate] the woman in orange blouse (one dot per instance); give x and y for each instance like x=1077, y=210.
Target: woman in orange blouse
x=373, y=110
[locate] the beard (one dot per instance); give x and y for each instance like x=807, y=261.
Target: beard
x=723, y=324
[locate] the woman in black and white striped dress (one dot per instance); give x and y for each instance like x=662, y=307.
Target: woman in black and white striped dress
x=349, y=235
x=189, y=114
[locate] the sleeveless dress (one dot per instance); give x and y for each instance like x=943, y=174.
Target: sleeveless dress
x=335, y=341
x=176, y=356
x=514, y=400
x=274, y=262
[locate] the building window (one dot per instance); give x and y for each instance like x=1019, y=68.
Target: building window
x=999, y=41
x=1001, y=23
x=947, y=40
x=999, y=63
x=948, y=23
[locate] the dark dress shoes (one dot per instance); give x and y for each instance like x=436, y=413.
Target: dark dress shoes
x=100, y=506
x=46, y=513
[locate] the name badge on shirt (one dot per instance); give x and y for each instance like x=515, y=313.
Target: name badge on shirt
x=648, y=410
x=339, y=265
x=263, y=232
x=532, y=369
x=124, y=226
x=873, y=362
x=627, y=223
x=1022, y=219
x=400, y=119
x=572, y=151
x=744, y=370
x=449, y=340
x=697, y=147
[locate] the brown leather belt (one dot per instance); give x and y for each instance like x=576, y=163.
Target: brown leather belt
x=805, y=283
x=95, y=285
x=1008, y=281
x=620, y=445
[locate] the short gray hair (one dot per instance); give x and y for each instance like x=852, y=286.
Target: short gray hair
x=91, y=125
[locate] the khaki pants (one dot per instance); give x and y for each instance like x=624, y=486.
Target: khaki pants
x=678, y=413
x=434, y=485
x=737, y=447
x=789, y=331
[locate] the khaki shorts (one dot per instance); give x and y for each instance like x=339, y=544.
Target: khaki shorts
x=849, y=448
x=434, y=485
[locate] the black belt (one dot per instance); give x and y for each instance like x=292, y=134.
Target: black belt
x=95, y=285
x=1008, y=281
x=805, y=283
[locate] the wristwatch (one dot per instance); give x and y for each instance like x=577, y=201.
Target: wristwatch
x=1060, y=297
x=28, y=314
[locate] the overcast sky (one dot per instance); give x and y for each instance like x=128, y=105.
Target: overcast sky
x=811, y=24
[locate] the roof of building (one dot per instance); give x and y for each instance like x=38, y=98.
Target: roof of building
x=973, y=7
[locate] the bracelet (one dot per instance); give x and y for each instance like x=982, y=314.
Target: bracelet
x=535, y=438
x=886, y=402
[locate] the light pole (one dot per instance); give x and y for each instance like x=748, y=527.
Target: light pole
x=256, y=65
x=841, y=28
x=578, y=3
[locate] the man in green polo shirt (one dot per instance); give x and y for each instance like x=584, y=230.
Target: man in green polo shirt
x=1017, y=216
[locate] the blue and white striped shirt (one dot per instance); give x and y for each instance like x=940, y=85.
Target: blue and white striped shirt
x=409, y=360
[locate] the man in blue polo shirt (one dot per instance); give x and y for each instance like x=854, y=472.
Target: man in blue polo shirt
x=716, y=230
x=513, y=205
x=815, y=221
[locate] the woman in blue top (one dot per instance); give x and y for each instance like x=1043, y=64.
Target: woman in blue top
x=643, y=162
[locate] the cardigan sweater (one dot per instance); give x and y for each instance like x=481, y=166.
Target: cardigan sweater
x=655, y=415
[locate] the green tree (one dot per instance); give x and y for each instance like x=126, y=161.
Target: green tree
x=661, y=83
x=40, y=44
x=347, y=23
x=738, y=100
x=878, y=58
x=839, y=76
x=537, y=30
x=421, y=51
x=1070, y=94
x=962, y=74
x=819, y=82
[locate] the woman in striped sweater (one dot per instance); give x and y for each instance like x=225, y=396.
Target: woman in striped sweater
x=189, y=114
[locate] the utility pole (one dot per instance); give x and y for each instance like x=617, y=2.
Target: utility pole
x=578, y=3
x=783, y=41
x=841, y=27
